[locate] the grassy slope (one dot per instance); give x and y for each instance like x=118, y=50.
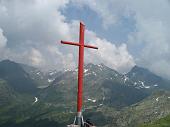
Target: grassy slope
x=164, y=122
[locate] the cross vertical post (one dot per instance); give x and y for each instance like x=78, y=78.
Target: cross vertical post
x=81, y=69
x=79, y=118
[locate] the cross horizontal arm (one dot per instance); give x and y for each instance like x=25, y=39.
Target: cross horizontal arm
x=89, y=46
x=77, y=44
x=70, y=43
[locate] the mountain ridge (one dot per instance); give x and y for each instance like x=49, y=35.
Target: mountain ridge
x=110, y=98
x=15, y=75
x=135, y=67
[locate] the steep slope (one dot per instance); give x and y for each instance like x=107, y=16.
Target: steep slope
x=102, y=85
x=163, y=122
x=7, y=95
x=148, y=110
x=110, y=98
x=36, y=75
x=143, y=78
x=42, y=79
x=16, y=77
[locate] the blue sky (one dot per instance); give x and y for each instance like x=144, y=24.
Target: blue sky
x=127, y=32
x=117, y=33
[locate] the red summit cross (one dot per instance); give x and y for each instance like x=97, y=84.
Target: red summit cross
x=81, y=45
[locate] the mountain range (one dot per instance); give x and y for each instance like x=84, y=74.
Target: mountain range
x=30, y=97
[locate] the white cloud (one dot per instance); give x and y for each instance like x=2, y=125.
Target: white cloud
x=64, y=60
x=31, y=27
x=151, y=36
x=153, y=40
x=34, y=29
x=3, y=40
x=116, y=57
x=35, y=57
x=149, y=42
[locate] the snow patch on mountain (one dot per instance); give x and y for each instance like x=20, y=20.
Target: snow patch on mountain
x=50, y=80
x=99, y=65
x=100, y=104
x=85, y=70
x=157, y=99
x=52, y=73
x=141, y=84
x=38, y=73
x=91, y=73
x=125, y=78
x=92, y=100
x=36, y=100
x=147, y=87
x=135, y=83
x=155, y=85
x=66, y=70
x=94, y=73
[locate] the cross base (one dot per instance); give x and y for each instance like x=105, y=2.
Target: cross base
x=79, y=121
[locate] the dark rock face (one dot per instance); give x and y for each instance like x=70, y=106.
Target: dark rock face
x=16, y=77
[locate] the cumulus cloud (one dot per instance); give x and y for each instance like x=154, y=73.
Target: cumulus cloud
x=116, y=57
x=151, y=36
x=35, y=57
x=34, y=29
x=152, y=40
x=31, y=27
x=149, y=40
x=3, y=40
